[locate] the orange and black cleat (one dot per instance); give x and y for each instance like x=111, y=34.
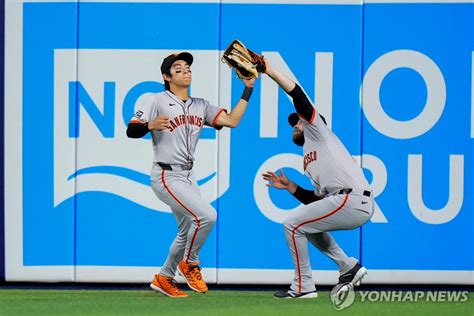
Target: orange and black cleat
x=167, y=286
x=192, y=273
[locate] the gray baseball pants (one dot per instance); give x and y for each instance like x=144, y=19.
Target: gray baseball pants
x=194, y=215
x=313, y=222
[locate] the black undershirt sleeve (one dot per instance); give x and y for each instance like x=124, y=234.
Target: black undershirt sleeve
x=305, y=196
x=302, y=105
x=137, y=130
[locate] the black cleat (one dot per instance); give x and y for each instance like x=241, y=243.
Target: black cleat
x=350, y=279
x=292, y=294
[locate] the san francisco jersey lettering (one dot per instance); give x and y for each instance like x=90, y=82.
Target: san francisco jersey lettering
x=177, y=143
x=326, y=160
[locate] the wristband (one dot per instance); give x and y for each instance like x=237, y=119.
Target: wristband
x=246, y=94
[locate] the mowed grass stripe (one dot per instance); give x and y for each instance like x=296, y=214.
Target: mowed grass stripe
x=260, y=303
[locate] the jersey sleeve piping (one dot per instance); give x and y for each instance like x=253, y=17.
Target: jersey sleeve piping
x=313, y=115
x=215, y=117
x=136, y=121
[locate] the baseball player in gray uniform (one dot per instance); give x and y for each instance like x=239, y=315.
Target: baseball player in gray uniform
x=341, y=200
x=175, y=121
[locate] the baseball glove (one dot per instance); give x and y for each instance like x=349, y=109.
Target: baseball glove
x=247, y=64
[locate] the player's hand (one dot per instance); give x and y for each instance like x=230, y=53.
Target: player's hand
x=249, y=82
x=159, y=124
x=279, y=181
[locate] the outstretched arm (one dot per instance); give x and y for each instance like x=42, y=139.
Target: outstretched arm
x=282, y=182
x=279, y=181
x=233, y=118
x=283, y=81
x=302, y=105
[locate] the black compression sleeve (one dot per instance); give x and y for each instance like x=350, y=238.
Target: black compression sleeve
x=137, y=130
x=302, y=104
x=305, y=196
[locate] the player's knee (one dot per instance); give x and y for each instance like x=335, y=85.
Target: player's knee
x=209, y=218
x=213, y=216
x=288, y=224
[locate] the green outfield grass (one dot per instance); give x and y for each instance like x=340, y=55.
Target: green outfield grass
x=216, y=302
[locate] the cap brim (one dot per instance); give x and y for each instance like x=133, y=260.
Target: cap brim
x=293, y=119
x=168, y=61
x=187, y=57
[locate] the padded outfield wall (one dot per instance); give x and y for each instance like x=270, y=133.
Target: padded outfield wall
x=394, y=79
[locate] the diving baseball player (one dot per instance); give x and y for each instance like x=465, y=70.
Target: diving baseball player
x=175, y=120
x=341, y=200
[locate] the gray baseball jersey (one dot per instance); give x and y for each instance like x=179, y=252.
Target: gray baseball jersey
x=176, y=145
x=178, y=188
x=327, y=162
x=331, y=168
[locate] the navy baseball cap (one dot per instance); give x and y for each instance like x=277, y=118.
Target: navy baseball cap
x=293, y=119
x=168, y=61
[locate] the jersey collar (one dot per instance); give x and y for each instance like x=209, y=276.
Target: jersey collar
x=175, y=98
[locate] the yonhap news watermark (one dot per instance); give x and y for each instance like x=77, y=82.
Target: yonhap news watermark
x=346, y=299
x=414, y=296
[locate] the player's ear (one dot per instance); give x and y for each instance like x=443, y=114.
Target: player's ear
x=167, y=77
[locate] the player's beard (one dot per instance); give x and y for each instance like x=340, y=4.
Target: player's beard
x=298, y=137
